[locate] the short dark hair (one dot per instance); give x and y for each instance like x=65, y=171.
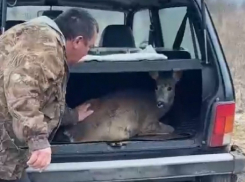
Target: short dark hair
x=77, y=22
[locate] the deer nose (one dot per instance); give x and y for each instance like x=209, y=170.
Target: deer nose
x=160, y=104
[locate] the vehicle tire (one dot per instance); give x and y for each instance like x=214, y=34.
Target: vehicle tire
x=218, y=178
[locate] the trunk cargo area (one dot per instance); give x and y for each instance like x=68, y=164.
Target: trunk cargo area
x=184, y=115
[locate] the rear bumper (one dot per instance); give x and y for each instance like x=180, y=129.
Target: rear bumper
x=142, y=169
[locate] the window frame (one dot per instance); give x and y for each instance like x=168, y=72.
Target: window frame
x=196, y=35
x=40, y=9
x=195, y=27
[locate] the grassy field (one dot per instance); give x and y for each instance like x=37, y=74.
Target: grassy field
x=239, y=137
x=239, y=131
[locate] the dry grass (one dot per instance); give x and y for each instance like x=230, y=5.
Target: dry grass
x=239, y=132
x=239, y=138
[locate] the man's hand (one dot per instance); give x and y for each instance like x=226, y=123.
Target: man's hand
x=40, y=159
x=83, y=111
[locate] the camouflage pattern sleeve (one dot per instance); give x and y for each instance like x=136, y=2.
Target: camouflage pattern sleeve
x=25, y=86
x=70, y=117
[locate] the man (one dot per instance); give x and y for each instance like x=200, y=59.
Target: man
x=33, y=78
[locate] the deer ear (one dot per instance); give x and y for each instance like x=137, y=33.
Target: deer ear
x=154, y=75
x=177, y=75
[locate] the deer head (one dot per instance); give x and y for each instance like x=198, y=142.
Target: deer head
x=165, y=86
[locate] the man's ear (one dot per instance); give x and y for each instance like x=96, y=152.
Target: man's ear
x=77, y=41
x=177, y=75
x=154, y=74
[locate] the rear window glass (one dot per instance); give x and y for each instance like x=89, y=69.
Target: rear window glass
x=103, y=17
x=170, y=21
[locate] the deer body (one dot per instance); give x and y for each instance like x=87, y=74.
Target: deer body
x=124, y=114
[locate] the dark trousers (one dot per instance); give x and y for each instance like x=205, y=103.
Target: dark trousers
x=24, y=178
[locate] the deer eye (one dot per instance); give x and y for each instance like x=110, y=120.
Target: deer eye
x=169, y=88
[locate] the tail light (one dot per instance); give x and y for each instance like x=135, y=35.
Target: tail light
x=223, y=124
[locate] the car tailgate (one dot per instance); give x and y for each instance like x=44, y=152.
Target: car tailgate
x=142, y=169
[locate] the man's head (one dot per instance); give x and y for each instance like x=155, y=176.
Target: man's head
x=80, y=30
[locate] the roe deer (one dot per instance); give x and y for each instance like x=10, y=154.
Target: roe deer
x=124, y=114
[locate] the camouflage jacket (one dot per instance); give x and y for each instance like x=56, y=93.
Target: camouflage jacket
x=33, y=78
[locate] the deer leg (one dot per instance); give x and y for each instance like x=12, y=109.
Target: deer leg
x=157, y=128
